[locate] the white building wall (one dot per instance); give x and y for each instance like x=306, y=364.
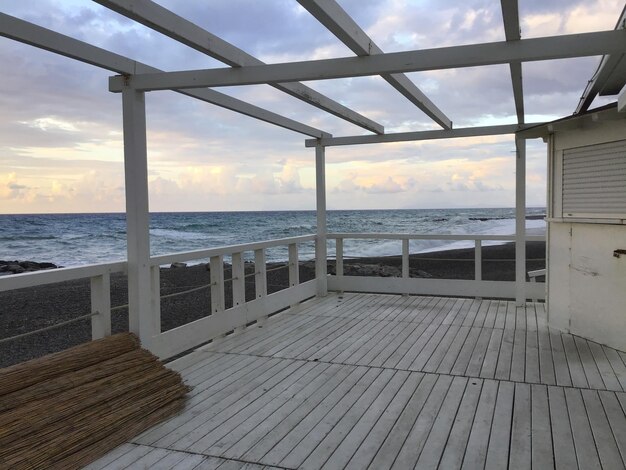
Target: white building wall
x=586, y=282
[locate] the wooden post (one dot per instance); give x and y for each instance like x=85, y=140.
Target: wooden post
x=294, y=269
x=520, y=222
x=320, y=241
x=101, y=303
x=478, y=260
x=239, y=280
x=405, y=260
x=339, y=262
x=260, y=277
x=141, y=320
x=155, y=279
x=339, y=257
x=217, y=283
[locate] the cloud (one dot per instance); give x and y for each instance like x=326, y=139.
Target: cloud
x=289, y=179
x=60, y=124
x=384, y=185
x=16, y=187
x=388, y=186
x=11, y=189
x=472, y=184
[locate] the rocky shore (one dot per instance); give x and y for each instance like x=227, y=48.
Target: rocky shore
x=19, y=267
x=25, y=310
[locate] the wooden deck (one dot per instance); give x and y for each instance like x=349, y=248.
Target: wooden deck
x=383, y=381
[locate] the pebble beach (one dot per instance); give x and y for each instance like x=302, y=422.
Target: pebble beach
x=30, y=309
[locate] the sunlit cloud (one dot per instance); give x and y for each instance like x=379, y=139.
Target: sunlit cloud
x=49, y=123
x=61, y=141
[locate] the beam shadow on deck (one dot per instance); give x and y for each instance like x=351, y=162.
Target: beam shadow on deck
x=383, y=381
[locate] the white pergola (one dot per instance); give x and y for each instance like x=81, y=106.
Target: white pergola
x=134, y=78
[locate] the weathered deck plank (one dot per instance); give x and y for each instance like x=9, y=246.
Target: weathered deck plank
x=488, y=368
x=344, y=426
x=476, y=449
x=605, y=441
x=541, y=438
x=454, y=451
x=498, y=446
x=267, y=437
x=356, y=384
x=369, y=381
x=394, y=441
x=520, y=454
x=347, y=447
x=564, y=449
x=586, y=451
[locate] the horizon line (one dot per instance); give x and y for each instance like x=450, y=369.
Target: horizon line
x=264, y=210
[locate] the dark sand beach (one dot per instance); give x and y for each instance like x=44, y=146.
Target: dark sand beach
x=33, y=308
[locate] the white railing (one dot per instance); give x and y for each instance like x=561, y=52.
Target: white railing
x=99, y=274
x=221, y=320
x=533, y=275
x=425, y=286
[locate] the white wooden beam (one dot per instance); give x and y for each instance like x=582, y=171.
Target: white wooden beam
x=141, y=320
x=430, y=287
x=524, y=50
x=320, y=240
x=338, y=22
x=182, y=30
x=28, y=33
x=101, y=303
x=518, y=90
x=621, y=101
x=607, y=67
x=510, y=17
x=421, y=135
x=520, y=222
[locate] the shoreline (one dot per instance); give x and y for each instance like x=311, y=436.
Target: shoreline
x=76, y=240
x=37, y=307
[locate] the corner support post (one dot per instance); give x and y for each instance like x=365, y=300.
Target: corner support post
x=141, y=320
x=520, y=222
x=320, y=241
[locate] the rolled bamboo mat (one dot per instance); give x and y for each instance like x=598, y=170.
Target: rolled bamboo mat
x=70, y=408
x=22, y=375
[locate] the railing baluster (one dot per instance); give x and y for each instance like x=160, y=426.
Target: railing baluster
x=260, y=278
x=478, y=260
x=321, y=265
x=405, y=258
x=532, y=276
x=217, y=283
x=294, y=268
x=239, y=280
x=101, y=303
x=339, y=257
x=155, y=279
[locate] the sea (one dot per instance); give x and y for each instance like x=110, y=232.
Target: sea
x=80, y=239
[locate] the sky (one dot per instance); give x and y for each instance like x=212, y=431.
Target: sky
x=61, y=147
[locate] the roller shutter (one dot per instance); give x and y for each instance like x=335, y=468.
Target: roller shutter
x=594, y=181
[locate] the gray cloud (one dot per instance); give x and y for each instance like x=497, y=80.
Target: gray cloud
x=281, y=29
x=39, y=86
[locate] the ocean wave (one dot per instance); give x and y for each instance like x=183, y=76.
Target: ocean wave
x=486, y=219
x=75, y=240
x=196, y=226
x=19, y=238
x=178, y=234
